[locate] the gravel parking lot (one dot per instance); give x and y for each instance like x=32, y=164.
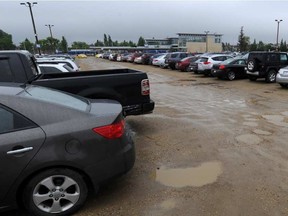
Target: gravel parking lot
x=210, y=148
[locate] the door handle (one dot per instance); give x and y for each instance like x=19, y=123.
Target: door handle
x=19, y=151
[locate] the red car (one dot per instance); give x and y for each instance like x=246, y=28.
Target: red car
x=184, y=63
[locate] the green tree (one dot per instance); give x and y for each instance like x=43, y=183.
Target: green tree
x=141, y=41
x=63, y=45
x=6, y=42
x=99, y=43
x=79, y=45
x=27, y=45
x=253, y=46
x=283, y=46
x=243, y=41
x=110, y=42
x=261, y=46
x=105, y=40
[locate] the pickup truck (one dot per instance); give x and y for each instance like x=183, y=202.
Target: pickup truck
x=130, y=87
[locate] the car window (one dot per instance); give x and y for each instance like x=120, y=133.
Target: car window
x=203, y=59
x=174, y=55
x=218, y=58
x=272, y=58
x=49, y=70
x=5, y=71
x=68, y=68
x=283, y=58
x=12, y=121
x=183, y=55
x=57, y=97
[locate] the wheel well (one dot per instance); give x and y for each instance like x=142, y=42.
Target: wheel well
x=21, y=187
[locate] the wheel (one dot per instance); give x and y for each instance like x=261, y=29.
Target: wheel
x=231, y=75
x=55, y=192
x=283, y=85
x=271, y=76
x=252, y=78
x=252, y=65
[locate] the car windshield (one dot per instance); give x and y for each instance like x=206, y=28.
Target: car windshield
x=57, y=97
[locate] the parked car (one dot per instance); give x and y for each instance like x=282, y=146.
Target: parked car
x=132, y=57
x=183, y=64
x=160, y=60
x=155, y=56
x=138, y=60
x=55, y=68
x=69, y=62
x=174, y=58
x=265, y=65
x=206, y=63
x=120, y=57
x=282, y=77
x=56, y=148
x=193, y=66
x=129, y=87
x=233, y=68
x=61, y=56
x=146, y=58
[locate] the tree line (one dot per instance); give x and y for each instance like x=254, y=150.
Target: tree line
x=50, y=45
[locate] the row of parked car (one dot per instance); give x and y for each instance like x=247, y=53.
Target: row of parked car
x=272, y=66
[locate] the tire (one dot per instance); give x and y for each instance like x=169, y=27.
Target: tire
x=252, y=78
x=252, y=65
x=231, y=75
x=271, y=76
x=56, y=191
x=283, y=85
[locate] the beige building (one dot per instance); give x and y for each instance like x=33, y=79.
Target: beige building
x=200, y=42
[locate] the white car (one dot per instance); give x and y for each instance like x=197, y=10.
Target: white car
x=206, y=62
x=55, y=68
x=282, y=77
x=160, y=60
x=69, y=62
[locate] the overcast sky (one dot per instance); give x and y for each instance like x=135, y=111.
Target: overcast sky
x=128, y=20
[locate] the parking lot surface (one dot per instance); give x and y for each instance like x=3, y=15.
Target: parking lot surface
x=211, y=147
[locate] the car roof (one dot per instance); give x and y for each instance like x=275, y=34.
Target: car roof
x=10, y=88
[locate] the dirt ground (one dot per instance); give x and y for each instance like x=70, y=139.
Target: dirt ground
x=210, y=148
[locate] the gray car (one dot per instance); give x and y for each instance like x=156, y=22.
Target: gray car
x=282, y=77
x=56, y=147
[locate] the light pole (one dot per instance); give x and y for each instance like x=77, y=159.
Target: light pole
x=52, y=42
x=206, y=32
x=30, y=5
x=278, y=22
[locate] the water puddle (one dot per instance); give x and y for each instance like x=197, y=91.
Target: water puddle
x=250, y=139
x=206, y=173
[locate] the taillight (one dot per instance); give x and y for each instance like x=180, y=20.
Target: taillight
x=222, y=67
x=145, y=87
x=206, y=63
x=113, y=131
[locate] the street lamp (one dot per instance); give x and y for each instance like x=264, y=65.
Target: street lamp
x=52, y=42
x=206, y=32
x=30, y=5
x=278, y=22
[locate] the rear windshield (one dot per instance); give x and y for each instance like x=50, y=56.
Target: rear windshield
x=203, y=59
x=57, y=97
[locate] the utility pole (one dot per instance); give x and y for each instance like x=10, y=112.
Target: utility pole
x=206, y=32
x=30, y=5
x=52, y=39
x=278, y=22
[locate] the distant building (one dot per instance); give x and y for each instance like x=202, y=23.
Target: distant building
x=188, y=42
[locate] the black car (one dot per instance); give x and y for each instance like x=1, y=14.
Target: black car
x=230, y=69
x=265, y=65
x=56, y=147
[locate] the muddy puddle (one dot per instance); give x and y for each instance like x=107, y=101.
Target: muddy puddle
x=206, y=173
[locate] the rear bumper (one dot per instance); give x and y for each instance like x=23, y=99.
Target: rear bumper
x=281, y=79
x=114, y=166
x=139, y=109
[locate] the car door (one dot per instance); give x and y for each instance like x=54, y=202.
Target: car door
x=20, y=140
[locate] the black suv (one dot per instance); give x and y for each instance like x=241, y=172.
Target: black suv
x=265, y=65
